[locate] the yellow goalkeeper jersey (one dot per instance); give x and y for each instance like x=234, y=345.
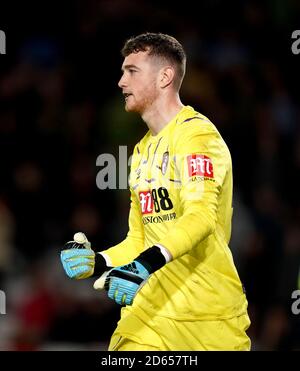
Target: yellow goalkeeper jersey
x=181, y=198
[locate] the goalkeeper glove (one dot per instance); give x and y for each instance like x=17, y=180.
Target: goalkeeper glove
x=79, y=260
x=124, y=282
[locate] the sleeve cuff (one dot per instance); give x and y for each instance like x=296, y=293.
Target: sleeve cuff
x=101, y=264
x=153, y=258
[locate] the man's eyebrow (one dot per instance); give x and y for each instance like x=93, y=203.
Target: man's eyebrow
x=128, y=66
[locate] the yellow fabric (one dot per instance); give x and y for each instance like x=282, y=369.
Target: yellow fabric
x=193, y=221
x=138, y=331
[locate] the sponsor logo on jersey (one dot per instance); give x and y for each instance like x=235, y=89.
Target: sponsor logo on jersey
x=156, y=200
x=159, y=218
x=146, y=202
x=200, y=165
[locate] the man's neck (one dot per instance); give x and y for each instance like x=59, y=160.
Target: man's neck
x=161, y=113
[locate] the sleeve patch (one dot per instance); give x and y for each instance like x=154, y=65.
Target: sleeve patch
x=200, y=165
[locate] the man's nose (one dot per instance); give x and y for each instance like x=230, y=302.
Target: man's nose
x=122, y=83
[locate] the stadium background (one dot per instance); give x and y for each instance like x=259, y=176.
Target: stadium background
x=60, y=108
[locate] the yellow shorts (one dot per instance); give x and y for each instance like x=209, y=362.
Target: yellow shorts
x=141, y=332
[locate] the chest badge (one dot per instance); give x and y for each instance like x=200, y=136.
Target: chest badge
x=165, y=161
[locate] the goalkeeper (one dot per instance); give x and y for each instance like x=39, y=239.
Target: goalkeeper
x=174, y=273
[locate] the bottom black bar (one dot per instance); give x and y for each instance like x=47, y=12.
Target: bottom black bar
x=93, y=360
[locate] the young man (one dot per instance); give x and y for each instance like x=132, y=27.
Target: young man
x=174, y=272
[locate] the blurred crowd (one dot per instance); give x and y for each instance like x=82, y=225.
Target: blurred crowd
x=60, y=108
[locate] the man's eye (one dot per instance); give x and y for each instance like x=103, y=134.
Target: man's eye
x=131, y=71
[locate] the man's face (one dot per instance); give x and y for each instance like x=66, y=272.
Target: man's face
x=139, y=81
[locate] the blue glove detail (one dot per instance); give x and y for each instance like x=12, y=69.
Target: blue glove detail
x=78, y=263
x=123, y=282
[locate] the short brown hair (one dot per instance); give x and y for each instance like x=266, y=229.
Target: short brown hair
x=160, y=45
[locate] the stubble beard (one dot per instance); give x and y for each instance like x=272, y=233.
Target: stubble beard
x=136, y=106
x=144, y=104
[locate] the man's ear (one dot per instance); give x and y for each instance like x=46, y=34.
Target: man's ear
x=167, y=75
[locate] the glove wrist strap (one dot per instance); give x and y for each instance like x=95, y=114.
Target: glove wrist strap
x=152, y=259
x=100, y=265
